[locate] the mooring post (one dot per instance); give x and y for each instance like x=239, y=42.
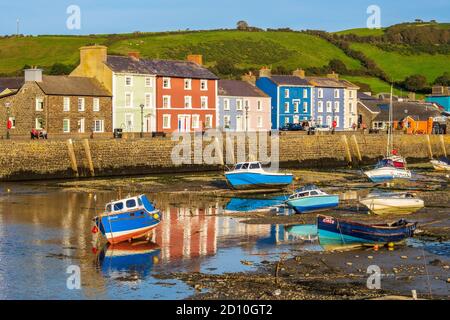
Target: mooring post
x=347, y=148
x=358, y=152
x=441, y=139
x=87, y=151
x=430, y=151
x=73, y=159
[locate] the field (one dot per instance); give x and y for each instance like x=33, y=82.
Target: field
x=362, y=32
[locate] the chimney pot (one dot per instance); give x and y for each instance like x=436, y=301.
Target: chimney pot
x=333, y=75
x=265, y=72
x=249, y=77
x=195, y=58
x=135, y=55
x=33, y=74
x=299, y=73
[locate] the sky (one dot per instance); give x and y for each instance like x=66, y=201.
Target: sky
x=119, y=16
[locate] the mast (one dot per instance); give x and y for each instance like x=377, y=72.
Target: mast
x=390, y=142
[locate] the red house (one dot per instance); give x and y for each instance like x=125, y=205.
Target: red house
x=186, y=95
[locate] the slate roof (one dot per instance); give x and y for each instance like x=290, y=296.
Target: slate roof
x=13, y=83
x=362, y=96
x=165, y=68
x=327, y=82
x=72, y=86
x=289, y=80
x=401, y=110
x=237, y=88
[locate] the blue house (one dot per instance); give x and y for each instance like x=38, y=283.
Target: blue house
x=440, y=96
x=291, y=96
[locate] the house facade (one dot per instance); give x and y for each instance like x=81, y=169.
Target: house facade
x=243, y=107
x=291, y=97
x=58, y=104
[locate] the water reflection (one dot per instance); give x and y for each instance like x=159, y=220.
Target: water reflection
x=254, y=205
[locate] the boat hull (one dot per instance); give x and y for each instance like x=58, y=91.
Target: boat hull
x=440, y=165
x=393, y=206
x=256, y=180
x=346, y=232
x=387, y=174
x=313, y=204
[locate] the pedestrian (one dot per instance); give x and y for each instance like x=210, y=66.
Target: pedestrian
x=334, y=125
x=43, y=134
x=34, y=134
x=364, y=127
x=354, y=126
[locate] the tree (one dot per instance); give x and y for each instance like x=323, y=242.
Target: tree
x=443, y=80
x=60, y=69
x=416, y=82
x=225, y=67
x=338, y=66
x=242, y=25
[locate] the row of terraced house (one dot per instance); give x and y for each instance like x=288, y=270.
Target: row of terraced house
x=108, y=92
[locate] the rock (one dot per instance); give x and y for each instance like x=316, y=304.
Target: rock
x=370, y=257
x=395, y=270
x=448, y=280
x=404, y=257
x=349, y=263
x=198, y=287
x=436, y=262
x=277, y=292
x=446, y=267
x=246, y=263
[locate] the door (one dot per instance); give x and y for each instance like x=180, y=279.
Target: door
x=184, y=123
x=129, y=123
x=239, y=123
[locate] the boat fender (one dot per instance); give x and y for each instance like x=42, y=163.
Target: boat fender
x=94, y=229
x=94, y=250
x=156, y=216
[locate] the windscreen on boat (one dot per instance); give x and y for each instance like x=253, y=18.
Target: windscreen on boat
x=147, y=204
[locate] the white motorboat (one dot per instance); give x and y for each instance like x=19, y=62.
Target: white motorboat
x=394, y=203
x=442, y=164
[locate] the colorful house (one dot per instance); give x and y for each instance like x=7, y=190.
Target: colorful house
x=153, y=95
x=441, y=96
x=243, y=107
x=291, y=96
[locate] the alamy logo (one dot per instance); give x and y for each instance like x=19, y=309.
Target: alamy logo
x=74, y=20
x=374, y=280
x=374, y=19
x=74, y=280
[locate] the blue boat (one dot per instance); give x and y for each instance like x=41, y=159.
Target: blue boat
x=334, y=230
x=253, y=205
x=311, y=199
x=251, y=175
x=128, y=219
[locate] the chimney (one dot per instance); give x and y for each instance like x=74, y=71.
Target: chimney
x=196, y=58
x=333, y=75
x=265, y=72
x=412, y=96
x=135, y=55
x=33, y=75
x=249, y=77
x=299, y=73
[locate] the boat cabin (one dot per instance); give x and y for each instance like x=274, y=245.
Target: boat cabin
x=124, y=205
x=248, y=166
x=307, y=193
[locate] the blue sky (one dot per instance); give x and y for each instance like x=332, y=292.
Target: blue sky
x=113, y=16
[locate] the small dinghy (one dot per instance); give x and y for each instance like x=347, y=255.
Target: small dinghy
x=442, y=164
x=388, y=169
x=128, y=219
x=348, y=232
x=395, y=203
x=311, y=199
x=251, y=175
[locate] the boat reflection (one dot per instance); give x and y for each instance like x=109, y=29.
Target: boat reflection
x=306, y=232
x=239, y=205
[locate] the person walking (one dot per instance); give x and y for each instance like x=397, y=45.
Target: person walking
x=43, y=134
x=334, y=125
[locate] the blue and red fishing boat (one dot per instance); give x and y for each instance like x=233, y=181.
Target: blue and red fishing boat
x=128, y=219
x=332, y=229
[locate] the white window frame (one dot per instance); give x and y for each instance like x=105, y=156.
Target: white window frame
x=226, y=104
x=131, y=117
x=329, y=121
x=296, y=106
x=82, y=125
x=169, y=105
x=286, y=120
x=81, y=108
x=336, y=93
x=204, y=85
x=296, y=119
x=329, y=106
x=166, y=83
x=227, y=120
x=148, y=82
x=126, y=81
x=96, y=104
x=286, y=107
x=320, y=106
x=336, y=118
x=195, y=121
x=320, y=93
x=188, y=82
x=130, y=105
x=305, y=93
x=37, y=124
x=167, y=117
x=286, y=93
x=239, y=104
x=13, y=122
x=66, y=104
x=259, y=106
x=305, y=107
x=337, y=106
x=260, y=122
x=208, y=118
x=319, y=120
x=204, y=102
x=39, y=104
x=148, y=100
x=188, y=102
x=102, y=125
x=68, y=125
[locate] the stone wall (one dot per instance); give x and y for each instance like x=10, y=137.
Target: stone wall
x=25, y=160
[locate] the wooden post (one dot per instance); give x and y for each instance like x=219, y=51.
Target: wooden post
x=430, y=151
x=441, y=139
x=73, y=159
x=347, y=148
x=357, y=147
x=87, y=151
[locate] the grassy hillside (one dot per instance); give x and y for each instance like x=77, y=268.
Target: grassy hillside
x=362, y=32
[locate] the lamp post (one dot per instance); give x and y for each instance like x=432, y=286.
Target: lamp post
x=246, y=118
x=142, y=120
x=8, y=125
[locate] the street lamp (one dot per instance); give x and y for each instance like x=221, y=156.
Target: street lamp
x=142, y=120
x=246, y=118
x=8, y=114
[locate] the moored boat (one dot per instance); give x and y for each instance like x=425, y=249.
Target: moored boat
x=311, y=199
x=395, y=203
x=386, y=170
x=342, y=231
x=251, y=175
x=442, y=164
x=128, y=219
x=303, y=231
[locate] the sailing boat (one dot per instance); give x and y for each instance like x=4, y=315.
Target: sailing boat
x=392, y=166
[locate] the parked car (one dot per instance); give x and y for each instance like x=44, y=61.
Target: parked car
x=291, y=127
x=322, y=127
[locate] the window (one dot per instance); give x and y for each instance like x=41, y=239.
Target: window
x=286, y=120
x=246, y=104
x=350, y=107
x=305, y=93
x=260, y=121
x=226, y=122
x=81, y=125
x=166, y=121
x=286, y=107
x=254, y=166
x=203, y=85
x=128, y=81
x=39, y=123
x=13, y=122
x=328, y=121
x=320, y=106
x=320, y=93
x=96, y=104
x=118, y=206
x=296, y=103
x=204, y=102
x=166, y=83
x=129, y=122
x=131, y=203
x=305, y=107
x=187, y=84
x=39, y=104
x=195, y=121
x=99, y=126
x=66, y=125
x=66, y=104
x=81, y=104
x=226, y=104
x=148, y=82
x=350, y=94
x=259, y=105
x=238, y=104
x=329, y=106
x=336, y=106
x=128, y=99
x=336, y=118
x=166, y=102
x=336, y=93
x=319, y=120
x=208, y=121
x=148, y=100
x=188, y=102
x=296, y=119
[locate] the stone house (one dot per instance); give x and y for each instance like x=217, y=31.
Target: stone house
x=62, y=105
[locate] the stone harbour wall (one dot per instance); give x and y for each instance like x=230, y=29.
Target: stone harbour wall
x=29, y=160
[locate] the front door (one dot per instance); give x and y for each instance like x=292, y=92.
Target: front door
x=184, y=123
x=239, y=123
